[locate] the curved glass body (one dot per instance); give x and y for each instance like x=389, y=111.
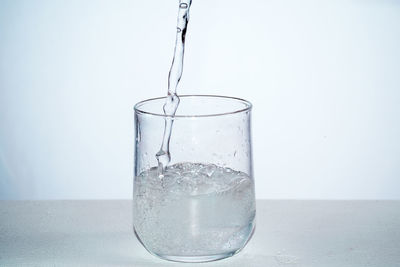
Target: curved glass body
x=202, y=206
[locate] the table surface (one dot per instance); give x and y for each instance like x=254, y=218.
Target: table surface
x=289, y=233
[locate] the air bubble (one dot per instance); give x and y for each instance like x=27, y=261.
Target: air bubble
x=183, y=5
x=178, y=30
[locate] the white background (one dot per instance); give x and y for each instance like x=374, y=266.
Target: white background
x=324, y=78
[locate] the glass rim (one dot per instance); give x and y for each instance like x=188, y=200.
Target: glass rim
x=248, y=107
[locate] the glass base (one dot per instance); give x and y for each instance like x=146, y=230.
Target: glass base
x=198, y=259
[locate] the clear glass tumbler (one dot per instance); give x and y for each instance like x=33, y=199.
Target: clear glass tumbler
x=202, y=207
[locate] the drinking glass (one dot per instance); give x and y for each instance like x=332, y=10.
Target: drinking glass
x=201, y=207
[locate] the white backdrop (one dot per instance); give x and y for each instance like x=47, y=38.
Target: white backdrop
x=324, y=78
